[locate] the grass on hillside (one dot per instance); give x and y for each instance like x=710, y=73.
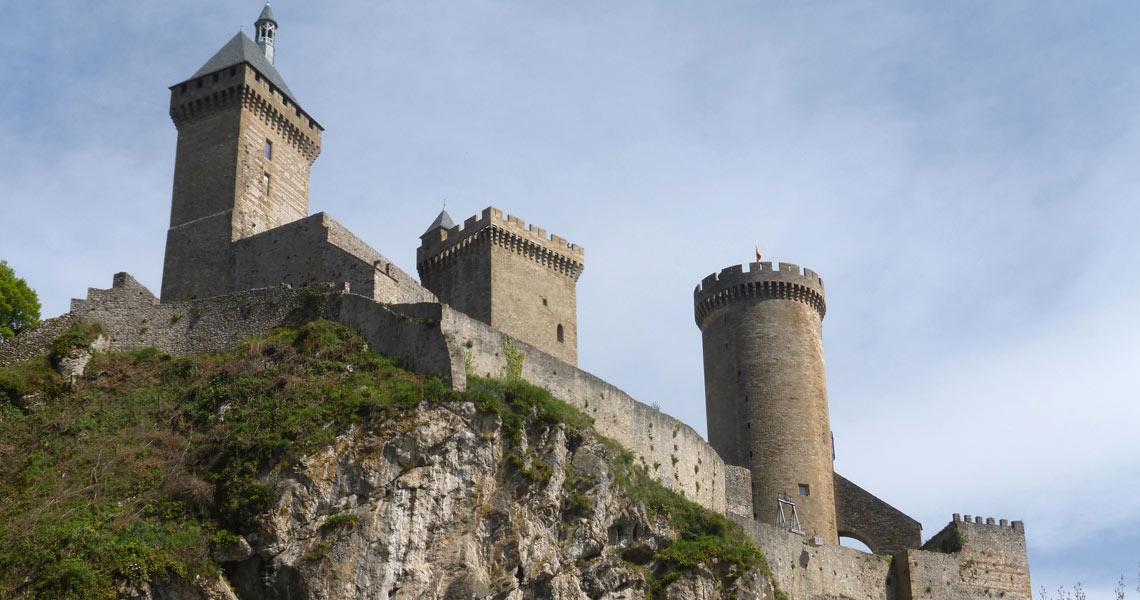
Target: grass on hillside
x=143, y=465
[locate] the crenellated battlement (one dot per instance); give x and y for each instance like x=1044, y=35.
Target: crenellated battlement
x=199, y=97
x=990, y=522
x=509, y=231
x=763, y=281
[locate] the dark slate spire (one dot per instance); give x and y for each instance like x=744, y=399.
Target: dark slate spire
x=267, y=15
x=240, y=49
x=443, y=220
x=266, y=28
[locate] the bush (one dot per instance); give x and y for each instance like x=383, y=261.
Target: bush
x=340, y=521
x=79, y=335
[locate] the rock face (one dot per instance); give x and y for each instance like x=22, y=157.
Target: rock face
x=445, y=503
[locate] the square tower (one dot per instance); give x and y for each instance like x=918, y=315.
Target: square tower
x=511, y=276
x=245, y=152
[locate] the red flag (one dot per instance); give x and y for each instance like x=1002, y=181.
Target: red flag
x=757, y=254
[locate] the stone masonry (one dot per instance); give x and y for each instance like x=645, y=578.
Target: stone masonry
x=765, y=387
x=509, y=275
x=245, y=150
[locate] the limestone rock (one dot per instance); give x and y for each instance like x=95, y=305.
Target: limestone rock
x=442, y=504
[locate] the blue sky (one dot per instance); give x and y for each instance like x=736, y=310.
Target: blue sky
x=962, y=174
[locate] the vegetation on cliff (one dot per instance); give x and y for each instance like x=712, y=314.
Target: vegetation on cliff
x=150, y=465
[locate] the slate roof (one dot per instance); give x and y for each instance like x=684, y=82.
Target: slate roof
x=443, y=220
x=242, y=49
x=266, y=14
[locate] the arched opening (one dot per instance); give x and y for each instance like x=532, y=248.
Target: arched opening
x=561, y=333
x=849, y=540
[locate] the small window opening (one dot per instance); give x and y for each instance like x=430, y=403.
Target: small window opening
x=268, y=150
x=265, y=184
x=750, y=424
x=544, y=303
x=805, y=489
x=561, y=334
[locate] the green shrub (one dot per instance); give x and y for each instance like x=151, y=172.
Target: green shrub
x=78, y=335
x=28, y=377
x=340, y=521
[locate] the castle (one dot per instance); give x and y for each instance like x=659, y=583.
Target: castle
x=242, y=251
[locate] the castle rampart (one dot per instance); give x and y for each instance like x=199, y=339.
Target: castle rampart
x=978, y=558
x=318, y=249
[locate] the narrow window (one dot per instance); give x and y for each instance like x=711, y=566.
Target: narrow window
x=561, y=335
x=544, y=302
x=268, y=150
x=265, y=184
x=805, y=489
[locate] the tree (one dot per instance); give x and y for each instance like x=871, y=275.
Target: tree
x=19, y=305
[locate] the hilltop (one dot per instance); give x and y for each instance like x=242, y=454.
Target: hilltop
x=301, y=464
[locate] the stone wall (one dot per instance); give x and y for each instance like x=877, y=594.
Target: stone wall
x=827, y=571
x=979, y=559
x=132, y=318
x=672, y=451
x=317, y=249
x=34, y=343
x=862, y=516
x=738, y=491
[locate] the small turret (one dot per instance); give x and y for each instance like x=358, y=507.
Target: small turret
x=266, y=27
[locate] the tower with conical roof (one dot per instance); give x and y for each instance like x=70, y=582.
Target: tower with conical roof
x=244, y=155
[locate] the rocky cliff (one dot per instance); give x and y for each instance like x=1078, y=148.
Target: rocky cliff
x=303, y=466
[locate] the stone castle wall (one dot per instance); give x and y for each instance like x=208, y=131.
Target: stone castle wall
x=317, y=249
x=983, y=558
x=670, y=450
x=864, y=517
x=806, y=571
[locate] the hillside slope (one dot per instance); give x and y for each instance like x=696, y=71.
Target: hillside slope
x=301, y=465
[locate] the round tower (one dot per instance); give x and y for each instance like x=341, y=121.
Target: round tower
x=766, y=391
